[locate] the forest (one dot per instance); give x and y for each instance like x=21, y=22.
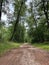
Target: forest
x=24, y=21
x=24, y=32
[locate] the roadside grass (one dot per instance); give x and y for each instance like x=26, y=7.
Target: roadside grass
x=7, y=46
x=44, y=46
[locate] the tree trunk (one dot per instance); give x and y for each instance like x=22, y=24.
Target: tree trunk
x=17, y=21
x=46, y=12
x=1, y=8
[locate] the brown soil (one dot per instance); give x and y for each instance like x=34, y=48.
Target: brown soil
x=25, y=55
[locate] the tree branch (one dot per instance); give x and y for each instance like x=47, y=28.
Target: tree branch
x=38, y=4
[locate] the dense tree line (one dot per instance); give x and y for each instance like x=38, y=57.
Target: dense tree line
x=39, y=31
x=28, y=22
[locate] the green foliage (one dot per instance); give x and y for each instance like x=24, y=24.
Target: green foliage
x=40, y=34
x=37, y=27
x=17, y=7
x=44, y=46
x=1, y=30
x=19, y=33
x=37, y=31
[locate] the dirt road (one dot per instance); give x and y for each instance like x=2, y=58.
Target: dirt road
x=25, y=55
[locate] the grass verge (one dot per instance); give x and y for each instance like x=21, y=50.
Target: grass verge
x=7, y=46
x=44, y=46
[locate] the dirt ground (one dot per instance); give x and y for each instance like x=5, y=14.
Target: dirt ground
x=25, y=55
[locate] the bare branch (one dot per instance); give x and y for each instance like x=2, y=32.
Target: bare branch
x=38, y=4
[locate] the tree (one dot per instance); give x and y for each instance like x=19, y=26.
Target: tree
x=37, y=26
x=1, y=8
x=22, y=2
x=43, y=6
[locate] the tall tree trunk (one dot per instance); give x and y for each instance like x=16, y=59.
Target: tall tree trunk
x=1, y=8
x=46, y=12
x=17, y=21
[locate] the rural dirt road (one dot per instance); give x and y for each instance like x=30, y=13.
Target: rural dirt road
x=25, y=55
